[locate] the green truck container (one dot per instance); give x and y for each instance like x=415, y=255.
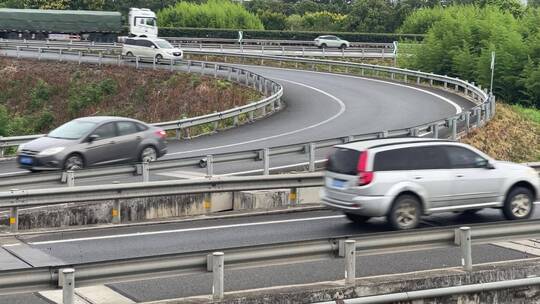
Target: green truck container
x=39, y=24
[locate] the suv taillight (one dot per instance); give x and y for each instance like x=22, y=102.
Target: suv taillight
x=364, y=177
x=161, y=134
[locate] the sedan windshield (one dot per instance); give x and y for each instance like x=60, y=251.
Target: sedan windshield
x=74, y=129
x=163, y=44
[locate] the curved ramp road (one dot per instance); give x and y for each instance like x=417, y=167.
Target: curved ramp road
x=318, y=105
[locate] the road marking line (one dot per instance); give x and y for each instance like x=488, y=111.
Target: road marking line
x=341, y=110
x=519, y=246
x=185, y=230
x=456, y=106
x=183, y=174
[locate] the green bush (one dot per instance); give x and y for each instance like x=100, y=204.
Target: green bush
x=82, y=96
x=214, y=13
x=316, y=21
x=460, y=40
x=45, y=122
x=284, y=35
x=40, y=94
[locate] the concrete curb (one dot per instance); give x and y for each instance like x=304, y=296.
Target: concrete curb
x=197, y=218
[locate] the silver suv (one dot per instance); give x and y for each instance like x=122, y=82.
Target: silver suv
x=404, y=178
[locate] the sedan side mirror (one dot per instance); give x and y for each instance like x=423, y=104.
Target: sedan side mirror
x=93, y=137
x=489, y=165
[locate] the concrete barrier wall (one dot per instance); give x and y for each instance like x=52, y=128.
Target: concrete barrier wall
x=143, y=209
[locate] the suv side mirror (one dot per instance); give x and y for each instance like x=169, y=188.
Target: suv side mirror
x=93, y=137
x=484, y=163
x=489, y=165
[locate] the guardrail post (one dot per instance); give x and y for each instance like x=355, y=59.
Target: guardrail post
x=323, y=52
x=215, y=70
x=383, y=134
x=392, y=76
x=209, y=165
x=235, y=121
x=13, y=218
x=446, y=85
x=350, y=261
x=18, y=51
x=40, y=50
x=218, y=261
x=118, y=60
x=418, y=80
x=464, y=240
x=247, y=79
x=303, y=51
x=453, y=122
x=488, y=111
x=145, y=172
x=70, y=178
x=154, y=63
x=478, y=113
x=362, y=72
x=435, y=130
x=189, y=66
x=330, y=68
x=266, y=161
x=312, y=157
x=229, y=73
x=493, y=104
x=250, y=116
x=406, y=78
x=413, y=132
x=172, y=64
x=293, y=197
x=137, y=59
x=382, y=53
x=237, y=75
x=467, y=121
x=116, y=211
x=68, y=285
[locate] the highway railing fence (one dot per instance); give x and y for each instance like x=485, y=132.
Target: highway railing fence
x=346, y=247
x=291, y=48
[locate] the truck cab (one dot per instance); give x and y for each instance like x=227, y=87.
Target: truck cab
x=142, y=23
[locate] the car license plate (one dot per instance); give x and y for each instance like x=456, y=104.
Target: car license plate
x=338, y=183
x=25, y=160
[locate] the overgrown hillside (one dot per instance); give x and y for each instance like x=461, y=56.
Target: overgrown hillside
x=513, y=134
x=36, y=96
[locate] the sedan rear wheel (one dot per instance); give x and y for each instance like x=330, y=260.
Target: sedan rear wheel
x=74, y=162
x=148, y=154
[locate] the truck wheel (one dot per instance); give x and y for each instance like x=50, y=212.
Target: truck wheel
x=518, y=204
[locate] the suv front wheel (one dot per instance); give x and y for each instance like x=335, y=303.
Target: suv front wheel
x=405, y=213
x=518, y=204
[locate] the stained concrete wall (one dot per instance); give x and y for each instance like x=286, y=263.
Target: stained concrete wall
x=370, y=286
x=142, y=209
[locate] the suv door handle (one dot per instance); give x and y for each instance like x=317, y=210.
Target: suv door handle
x=418, y=177
x=112, y=142
x=459, y=175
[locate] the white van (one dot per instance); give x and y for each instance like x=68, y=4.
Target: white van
x=149, y=49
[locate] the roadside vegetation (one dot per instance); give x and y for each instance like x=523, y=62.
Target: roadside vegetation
x=38, y=96
x=513, y=134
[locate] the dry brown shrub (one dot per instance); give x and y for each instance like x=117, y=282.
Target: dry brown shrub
x=509, y=136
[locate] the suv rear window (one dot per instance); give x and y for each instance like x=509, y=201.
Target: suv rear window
x=344, y=161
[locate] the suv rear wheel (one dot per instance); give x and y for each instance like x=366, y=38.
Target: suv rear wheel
x=405, y=213
x=359, y=219
x=518, y=204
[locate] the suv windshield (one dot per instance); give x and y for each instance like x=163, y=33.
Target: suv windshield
x=162, y=44
x=74, y=129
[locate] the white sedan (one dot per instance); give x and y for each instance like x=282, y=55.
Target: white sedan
x=331, y=41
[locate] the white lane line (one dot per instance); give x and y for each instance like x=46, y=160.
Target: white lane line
x=455, y=105
x=12, y=173
x=104, y=237
x=341, y=110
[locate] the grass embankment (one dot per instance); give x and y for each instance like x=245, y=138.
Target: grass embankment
x=36, y=96
x=513, y=134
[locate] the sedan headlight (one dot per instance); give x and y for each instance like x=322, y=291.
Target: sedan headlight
x=51, y=151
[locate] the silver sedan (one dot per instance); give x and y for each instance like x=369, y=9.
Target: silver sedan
x=91, y=141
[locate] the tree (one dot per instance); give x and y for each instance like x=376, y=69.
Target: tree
x=273, y=21
x=212, y=14
x=370, y=16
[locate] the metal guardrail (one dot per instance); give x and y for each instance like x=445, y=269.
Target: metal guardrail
x=272, y=90
x=202, y=261
x=451, y=127
x=362, y=50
